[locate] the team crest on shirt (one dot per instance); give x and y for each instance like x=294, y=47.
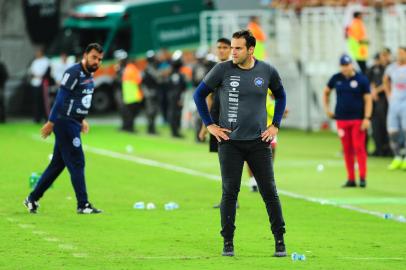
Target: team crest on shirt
x=259, y=82
x=76, y=142
x=353, y=84
x=87, y=101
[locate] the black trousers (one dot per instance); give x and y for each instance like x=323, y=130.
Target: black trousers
x=363, y=66
x=258, y=155
x=379, y=129
x=38, y=104
x=151, y=112
x=129, y=113
x=174, y=112
x=2, y=106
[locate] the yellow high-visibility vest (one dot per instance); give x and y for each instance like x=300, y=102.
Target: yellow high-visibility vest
x=132, y=92
x=270, y=108
x=356, y=42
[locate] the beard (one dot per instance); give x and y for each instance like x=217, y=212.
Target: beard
x=92, y=68
x=236, y=61
x=240, y=61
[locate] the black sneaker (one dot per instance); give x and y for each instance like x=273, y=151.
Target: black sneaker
x=363, y=183
x=228, y=249
x=349, y=184
x=280, y=249
x=88, y=209
x=177, y=135
x=31, y=206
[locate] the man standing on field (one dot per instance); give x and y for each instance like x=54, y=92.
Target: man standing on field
x=67, y=120
x=242, y=132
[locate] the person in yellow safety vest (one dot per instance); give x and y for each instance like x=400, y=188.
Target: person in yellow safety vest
x=132, y=96
x=357, y=41
x=256, y=30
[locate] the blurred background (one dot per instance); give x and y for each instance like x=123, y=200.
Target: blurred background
x=303, y=39
x=168, y=46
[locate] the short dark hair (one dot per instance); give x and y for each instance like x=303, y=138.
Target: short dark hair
x=94, y=46
x=224, y=40
x=357, y=14
x=387, y=50
x=250, y=40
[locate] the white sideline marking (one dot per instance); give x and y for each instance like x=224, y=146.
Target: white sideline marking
x=152, y=163
x=26, y=226
x=39, y=232
x=51, y=239
x=66, y=246
x=212, y=177
x=375, y=258
x=11, y=219
x=169, y=257
x=48, y=239
x=80, y=255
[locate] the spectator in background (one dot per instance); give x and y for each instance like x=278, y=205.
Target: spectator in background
x=395, y=85
x=150, y=87
x=164, y=68
x=38, y=71
x=55, y=73
x=121, y=56
x=176, y=88
x=200, y=69
x=351, y=6
x=357, y=41
x=59, y=66
x=380, y=106
x=387, y=56
x=132, y=96
x=255, y=27
x=3, y=79
x=352, y=113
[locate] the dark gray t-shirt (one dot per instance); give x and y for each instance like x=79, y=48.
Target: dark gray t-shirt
x=242, y=94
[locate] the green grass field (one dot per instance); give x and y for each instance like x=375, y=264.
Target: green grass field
x=188, y=238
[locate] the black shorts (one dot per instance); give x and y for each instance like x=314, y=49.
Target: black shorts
x=213, y=144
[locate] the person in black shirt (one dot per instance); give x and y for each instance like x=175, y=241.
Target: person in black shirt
x=3, y=79
x=380, y=106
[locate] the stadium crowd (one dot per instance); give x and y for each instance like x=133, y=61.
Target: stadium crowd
x=298, y=4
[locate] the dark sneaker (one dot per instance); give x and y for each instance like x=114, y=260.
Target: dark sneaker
x=363, y=183
x=177, y=135
x=88, y=209
x=349, y=184
x=280, y=249
x=32, y=206
x=228, y=249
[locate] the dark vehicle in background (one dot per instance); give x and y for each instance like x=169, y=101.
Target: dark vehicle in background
x=135, y=27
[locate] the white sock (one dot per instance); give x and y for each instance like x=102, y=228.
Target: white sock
x=252, y=182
